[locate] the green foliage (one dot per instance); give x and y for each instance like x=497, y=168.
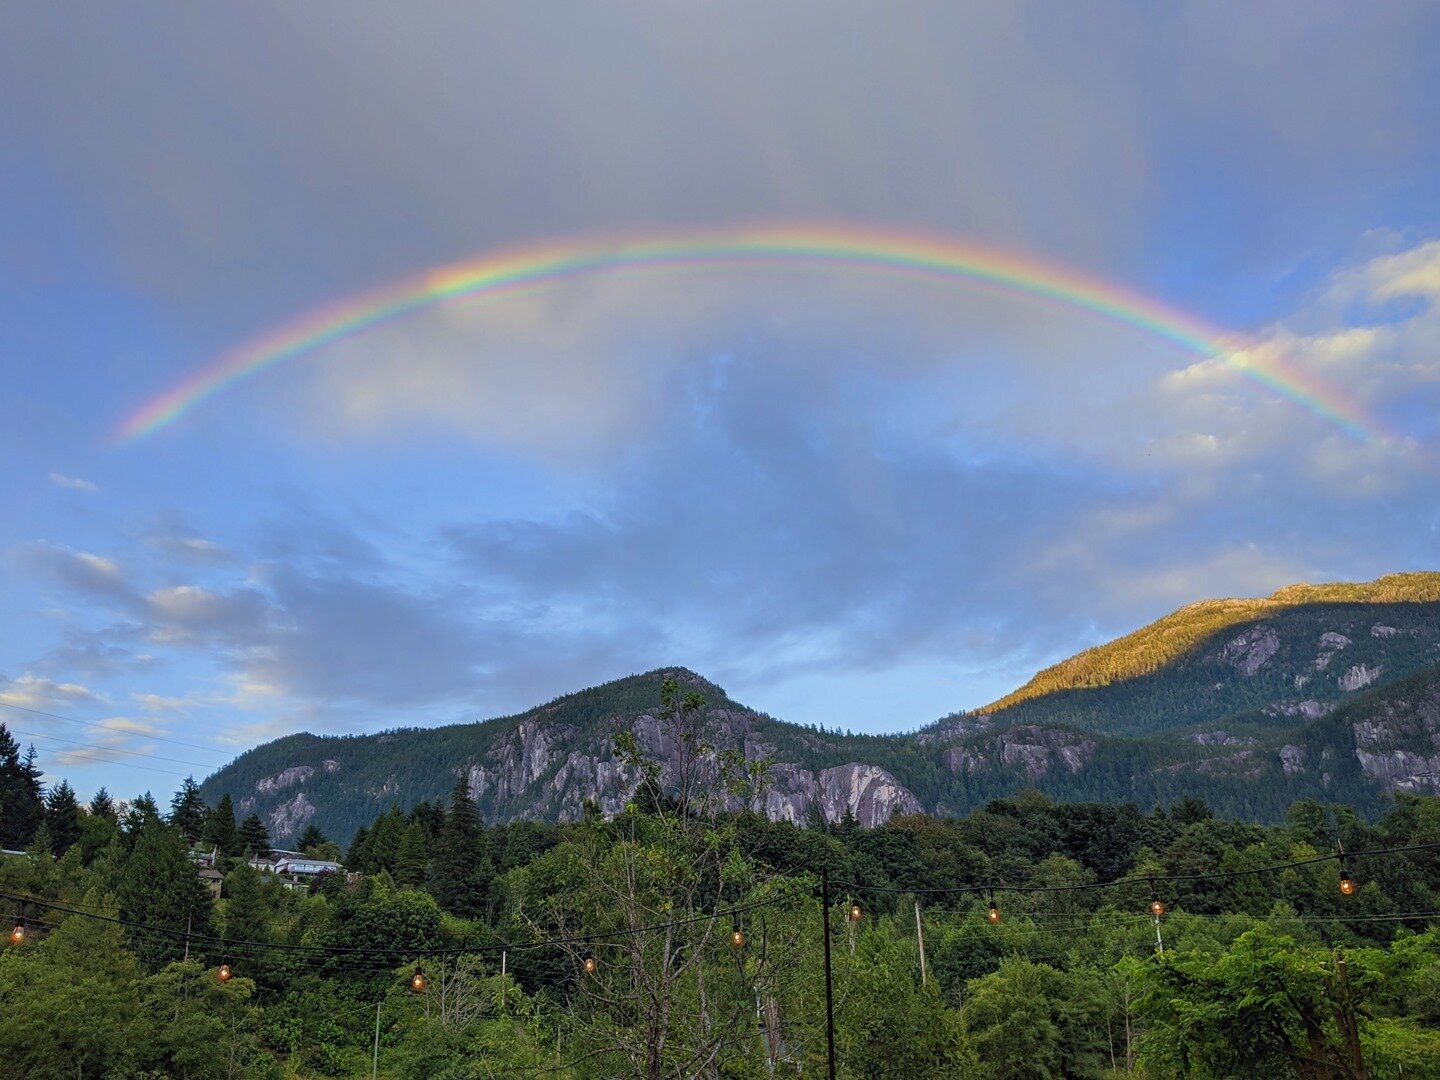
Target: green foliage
x=21, y=806
x=220, y=830
x=252, y=838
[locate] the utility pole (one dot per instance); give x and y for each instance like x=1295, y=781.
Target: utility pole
x=920, y=936
x=375, y=1058
x=829, y=979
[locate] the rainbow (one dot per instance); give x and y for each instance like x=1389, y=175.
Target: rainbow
x=842, y=246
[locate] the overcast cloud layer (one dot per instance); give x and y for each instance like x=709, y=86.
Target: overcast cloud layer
x=851, y=498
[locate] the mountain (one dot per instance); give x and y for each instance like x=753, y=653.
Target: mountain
x=1329, y=691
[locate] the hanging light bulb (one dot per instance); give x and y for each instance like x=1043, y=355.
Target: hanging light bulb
x=737, y=936
x=588, y=962
x=18, y=934
x=418, y=982
x=1347, y=886
x=1157, y=906
x=224, y=974
x=855, y=913
x=993, y=914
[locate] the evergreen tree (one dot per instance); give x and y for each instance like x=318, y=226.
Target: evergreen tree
x=142, y=813
x=21, y=805
x=159, y=885
x=220, y=828
x=245, y=914
x=383, y=844
x=462, y=868
x=312, y=837
x=253, y=838
x=355, y=854
x=188, y=810
x=412, y=861
x=62, y=818
x=102, y=806
x=431, y=817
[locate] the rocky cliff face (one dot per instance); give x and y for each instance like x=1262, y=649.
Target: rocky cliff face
x=550, y=772
x=1398, y=741
x=1311, y=692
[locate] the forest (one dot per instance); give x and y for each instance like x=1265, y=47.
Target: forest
x=1028, y=940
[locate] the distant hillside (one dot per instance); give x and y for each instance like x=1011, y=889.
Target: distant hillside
x=1320, y=691
x=1169, y=639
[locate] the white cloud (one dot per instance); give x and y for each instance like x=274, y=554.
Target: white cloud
x=74, y=483
x=34, y=692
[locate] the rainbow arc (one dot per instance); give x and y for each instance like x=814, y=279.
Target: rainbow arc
x=537, y=266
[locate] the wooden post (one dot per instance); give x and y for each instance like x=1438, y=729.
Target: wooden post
x=920, y=937
x=829, y=980
x=375, y=1060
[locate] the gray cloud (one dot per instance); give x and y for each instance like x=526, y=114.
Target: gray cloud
x=472, y=128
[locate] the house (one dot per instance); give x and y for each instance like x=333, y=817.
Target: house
x=301, y=866
x=213, y=880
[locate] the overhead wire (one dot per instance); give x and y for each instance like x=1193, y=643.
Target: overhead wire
x=103, y=727
x=1145, y=879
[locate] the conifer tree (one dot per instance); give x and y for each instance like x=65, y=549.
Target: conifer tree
x=355, y=853
x=245, y=914
x=412, y=861
x=312, y=837
x=220, y=828
x=62, y=818
x=253, y=838
x=382, y=846
x=188, y=810
x=102, y=806
x=159, y=885
x=21, y=805
x=462, y=869
x=142, y=813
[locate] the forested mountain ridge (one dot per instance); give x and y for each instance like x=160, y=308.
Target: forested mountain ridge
x=1171, y=638
x=1317, y=691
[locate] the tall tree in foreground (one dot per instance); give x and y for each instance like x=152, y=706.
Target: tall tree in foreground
x=462, y=869
x=220, y=828
x=21, y=805
x=159, y=885
x=62, y=818
x=188, y=810
x=253, y=839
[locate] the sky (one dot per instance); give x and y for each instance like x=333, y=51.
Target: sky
x=852, y=496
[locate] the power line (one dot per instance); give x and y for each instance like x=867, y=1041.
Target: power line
x=111, y=749
x=731, y=912
x=96, y=724
x=1147, y=879
x=326, y=950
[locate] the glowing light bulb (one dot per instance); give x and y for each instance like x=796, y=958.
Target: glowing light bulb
x=587, y=960
x=993, y=914
x=418, y=981
x=855, y=913
x=1347, y=887
x=18, y=934
x=224, y=974
x=1157, y=906
x=737, y=936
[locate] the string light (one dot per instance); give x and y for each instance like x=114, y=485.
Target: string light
x=855, y=913
x=588, y=962
x=418, y=982
x=18, y=934
x=224, y=974
x=1347, y=886
x=994, y=913
x=737, y=936
x=1157, y=906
